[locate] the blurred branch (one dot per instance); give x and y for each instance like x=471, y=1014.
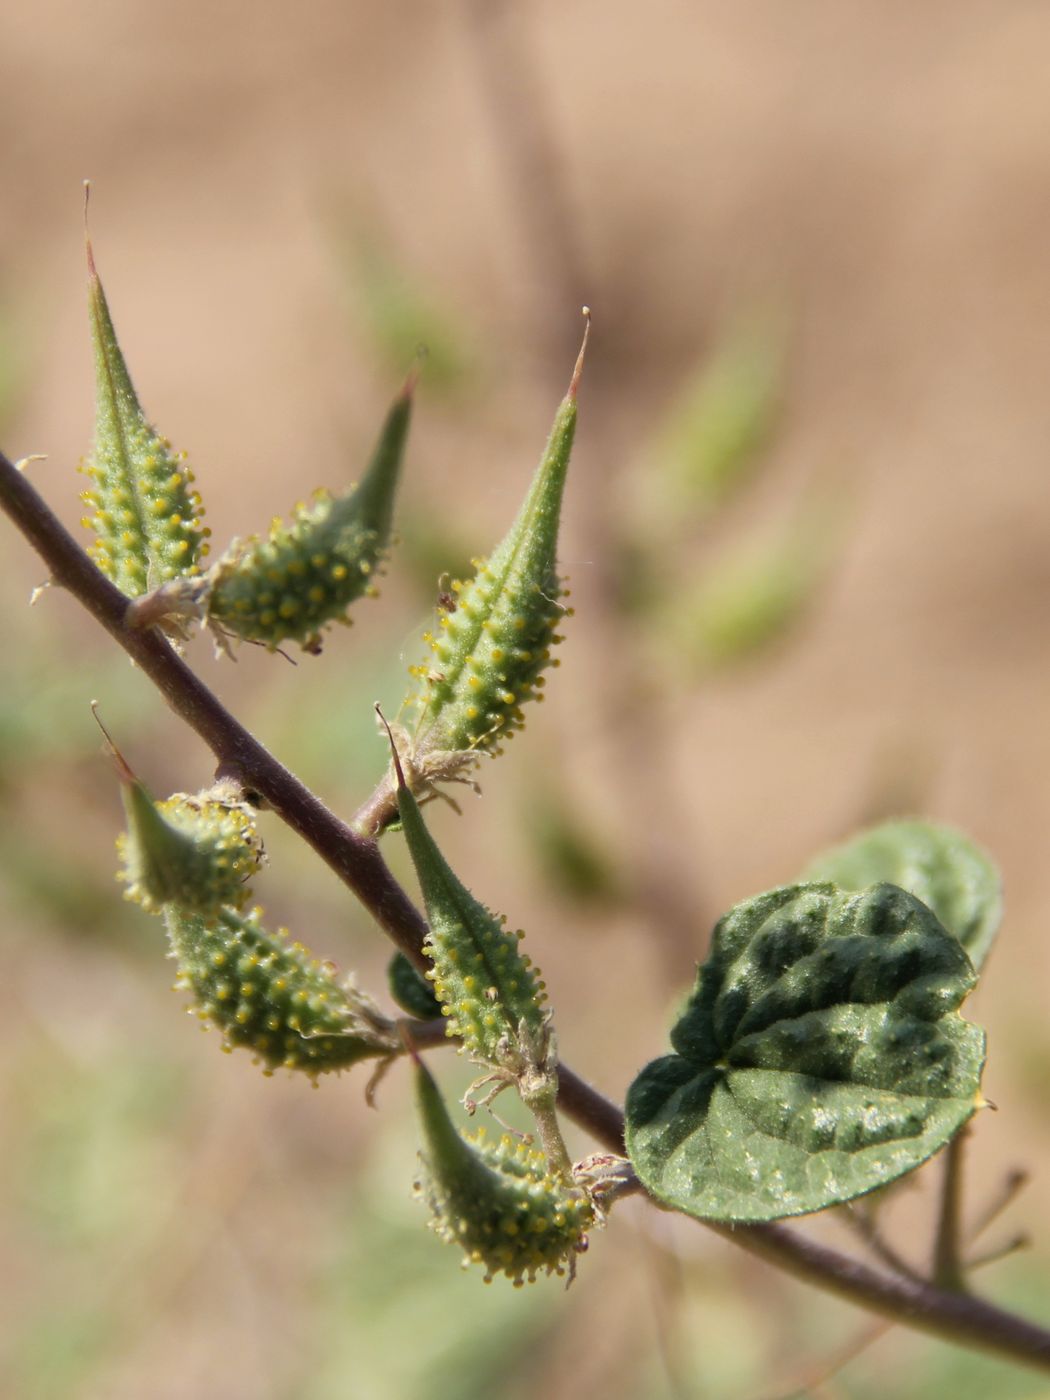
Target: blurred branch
x=530, y=157
x=965, y=1320
x=948, y=1271
x=532, y=163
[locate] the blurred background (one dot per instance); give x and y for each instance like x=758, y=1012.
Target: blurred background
x=808, y=537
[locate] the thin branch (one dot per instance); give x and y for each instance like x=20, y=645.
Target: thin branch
x=530, y=157
x=958, y=1318
x=1011, y=1188
x=862, y=1221
x=948, y=1271
x=828, y=1368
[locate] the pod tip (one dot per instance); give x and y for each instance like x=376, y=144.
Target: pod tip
x=87, y=233
x=393, y=749
x=574, y=382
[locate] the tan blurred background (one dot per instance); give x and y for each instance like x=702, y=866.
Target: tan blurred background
x=286, y=200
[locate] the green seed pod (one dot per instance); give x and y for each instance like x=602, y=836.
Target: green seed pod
x=492, y=996
x=272, y=997
x=497, y=1201
x=491, y=648
x=145, y=511
x=198, y=852
x=306, y=573
x=411, y=991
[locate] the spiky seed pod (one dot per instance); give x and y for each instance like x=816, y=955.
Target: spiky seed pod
x=199, y=852
x=490, y=650
x=306, y=573
x=489, y=991
x=272, y=997
x=497, y=1201
x=145, y=511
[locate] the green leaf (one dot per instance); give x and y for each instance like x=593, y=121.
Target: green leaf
x=936, y=864
x=820, y=1056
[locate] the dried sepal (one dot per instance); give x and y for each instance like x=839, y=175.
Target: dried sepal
x=306, y=572
x=271, y=996
x=197, y=851
x=497, y=1200
x=494, y=634
x=144, y=509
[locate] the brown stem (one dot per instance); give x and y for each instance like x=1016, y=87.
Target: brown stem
x=959, y=1318
x=377, y=812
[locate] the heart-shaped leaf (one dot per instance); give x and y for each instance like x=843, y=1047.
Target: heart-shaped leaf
x=820, y=1056
x=938, y=865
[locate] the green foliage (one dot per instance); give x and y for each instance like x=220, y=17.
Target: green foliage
x=752, y=598
x=569, y=853
x=711, y=441
x=304, y=575
x=146, y=513
x=398, y=316
x=498, y=1202
x=936, y=864
x=272, y=997
x=821, y=1054
x=819, y=1057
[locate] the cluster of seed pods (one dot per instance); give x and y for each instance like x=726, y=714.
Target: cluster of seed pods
x=192, y=858
x=146, y=516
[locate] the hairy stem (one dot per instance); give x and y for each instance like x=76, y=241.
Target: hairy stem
x=959, y=1318
x=543, y=1112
